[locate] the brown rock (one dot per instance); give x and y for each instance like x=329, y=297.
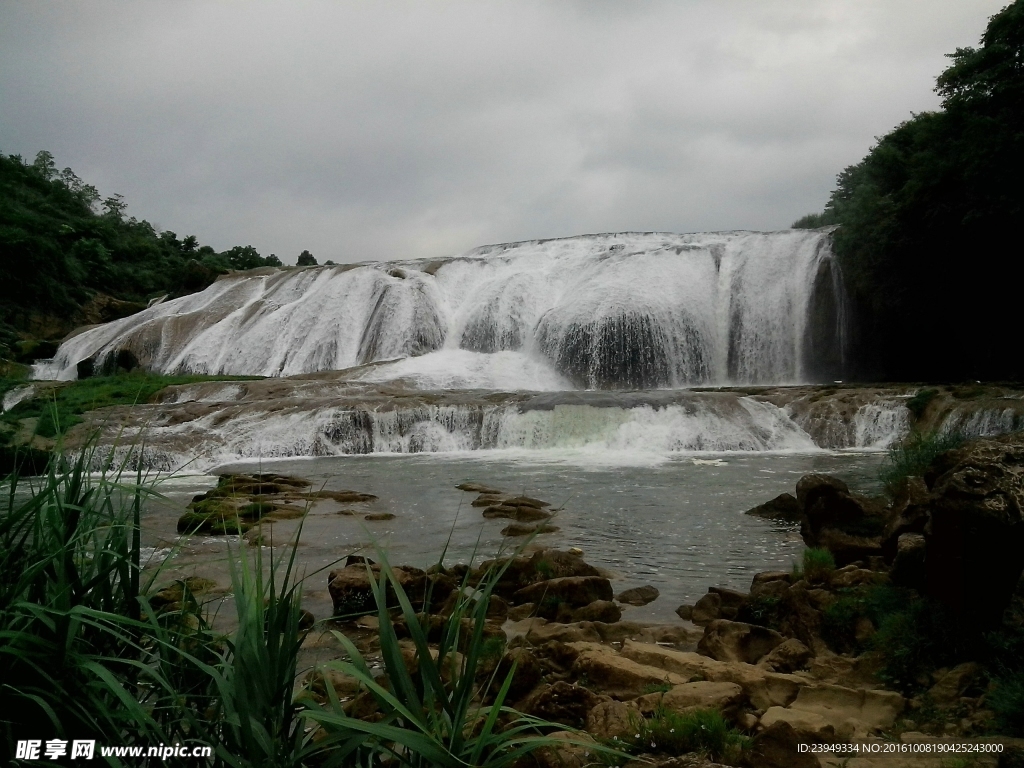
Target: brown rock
x=528, y=671
x=528, y=529
x=561, y=702
x=722, y=696
x=776, y=747
x=732, y=601
x=707, y=609
x=574, y=754
x=575, y=591
x=378, y=516
x=638, y=595
x=685, y=612
x=735, y=641
x=951, y=685
x=477, y=488
x=600, y=610
x=619, y=676
x=611, y=719
x=789, y=656
x=526, y=501
x=522, y=514
x=784, y=508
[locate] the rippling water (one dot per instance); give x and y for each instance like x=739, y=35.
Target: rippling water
x=678, y=525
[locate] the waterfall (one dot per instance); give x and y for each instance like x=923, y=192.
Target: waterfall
x=616, y=311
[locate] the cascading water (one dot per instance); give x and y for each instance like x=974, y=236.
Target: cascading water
x=619, y=311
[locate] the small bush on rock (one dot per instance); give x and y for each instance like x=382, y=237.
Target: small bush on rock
x=818, y=564
x=913, y=454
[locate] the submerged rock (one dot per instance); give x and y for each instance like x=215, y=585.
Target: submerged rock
x=638, y=595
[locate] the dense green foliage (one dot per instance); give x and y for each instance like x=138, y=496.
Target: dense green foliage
x=925, y=220
x=60, y=245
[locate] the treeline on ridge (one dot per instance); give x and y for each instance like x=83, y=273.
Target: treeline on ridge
x=927, y=240
x=68, y=258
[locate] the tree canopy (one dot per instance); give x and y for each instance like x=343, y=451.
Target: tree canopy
x=61, y=245
x=927, y=220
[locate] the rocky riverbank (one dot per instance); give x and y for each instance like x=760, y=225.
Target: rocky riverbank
x=830, y=653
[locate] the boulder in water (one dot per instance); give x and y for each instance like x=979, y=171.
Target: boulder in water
x=638, y=595
x=784, y=508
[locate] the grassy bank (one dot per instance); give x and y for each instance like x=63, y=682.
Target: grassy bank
x=29, y=429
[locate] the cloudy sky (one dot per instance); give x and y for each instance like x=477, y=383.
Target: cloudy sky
x=373, y=130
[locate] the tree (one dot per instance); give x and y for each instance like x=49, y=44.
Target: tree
x=923, y=219
x=306, y=260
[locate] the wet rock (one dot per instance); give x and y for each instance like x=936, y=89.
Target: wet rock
x=526, y=501
x=910, y=513
x=789, y=656
x=571, y=591
x=707, y=609
x=526, y=529
x=846, y=547
x=351, y=587
x=732, y=601
x=685, y=612
x=784, y=508
x=638, y=595
x=478, y=488
x=487, y=500
x=521, y=514
x=379, y=516
x=561, y=702
x=848, y=524
x=736, y=641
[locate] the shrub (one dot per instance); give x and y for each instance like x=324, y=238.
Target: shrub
x=913, y=454
x=818, y=564
x=914, y=641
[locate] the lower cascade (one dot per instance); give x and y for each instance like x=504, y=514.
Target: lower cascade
x=616, y=311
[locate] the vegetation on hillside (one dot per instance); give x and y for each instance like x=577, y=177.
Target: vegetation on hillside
x=61, y=246
x=926, y=218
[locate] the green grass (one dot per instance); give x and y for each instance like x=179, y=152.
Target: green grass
x=60, y=408
x=818, y=564
x=913, y=454
x=703, y=731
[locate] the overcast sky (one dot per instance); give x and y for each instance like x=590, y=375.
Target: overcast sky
x=374, y=130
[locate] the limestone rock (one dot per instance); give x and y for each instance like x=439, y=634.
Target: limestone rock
x=789, y=656
x=732, y=601
x=610, y=719
x=707, y=609
x=846, y=708
x=909, y=568
x=764, y=689
x=735, y=641
x=574, y=754
x=722, y=696
x=600, y=610
x=685, y=612
x=620, y=676
x=638, y=595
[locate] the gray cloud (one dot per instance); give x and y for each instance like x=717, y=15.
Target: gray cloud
x=404, y=129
